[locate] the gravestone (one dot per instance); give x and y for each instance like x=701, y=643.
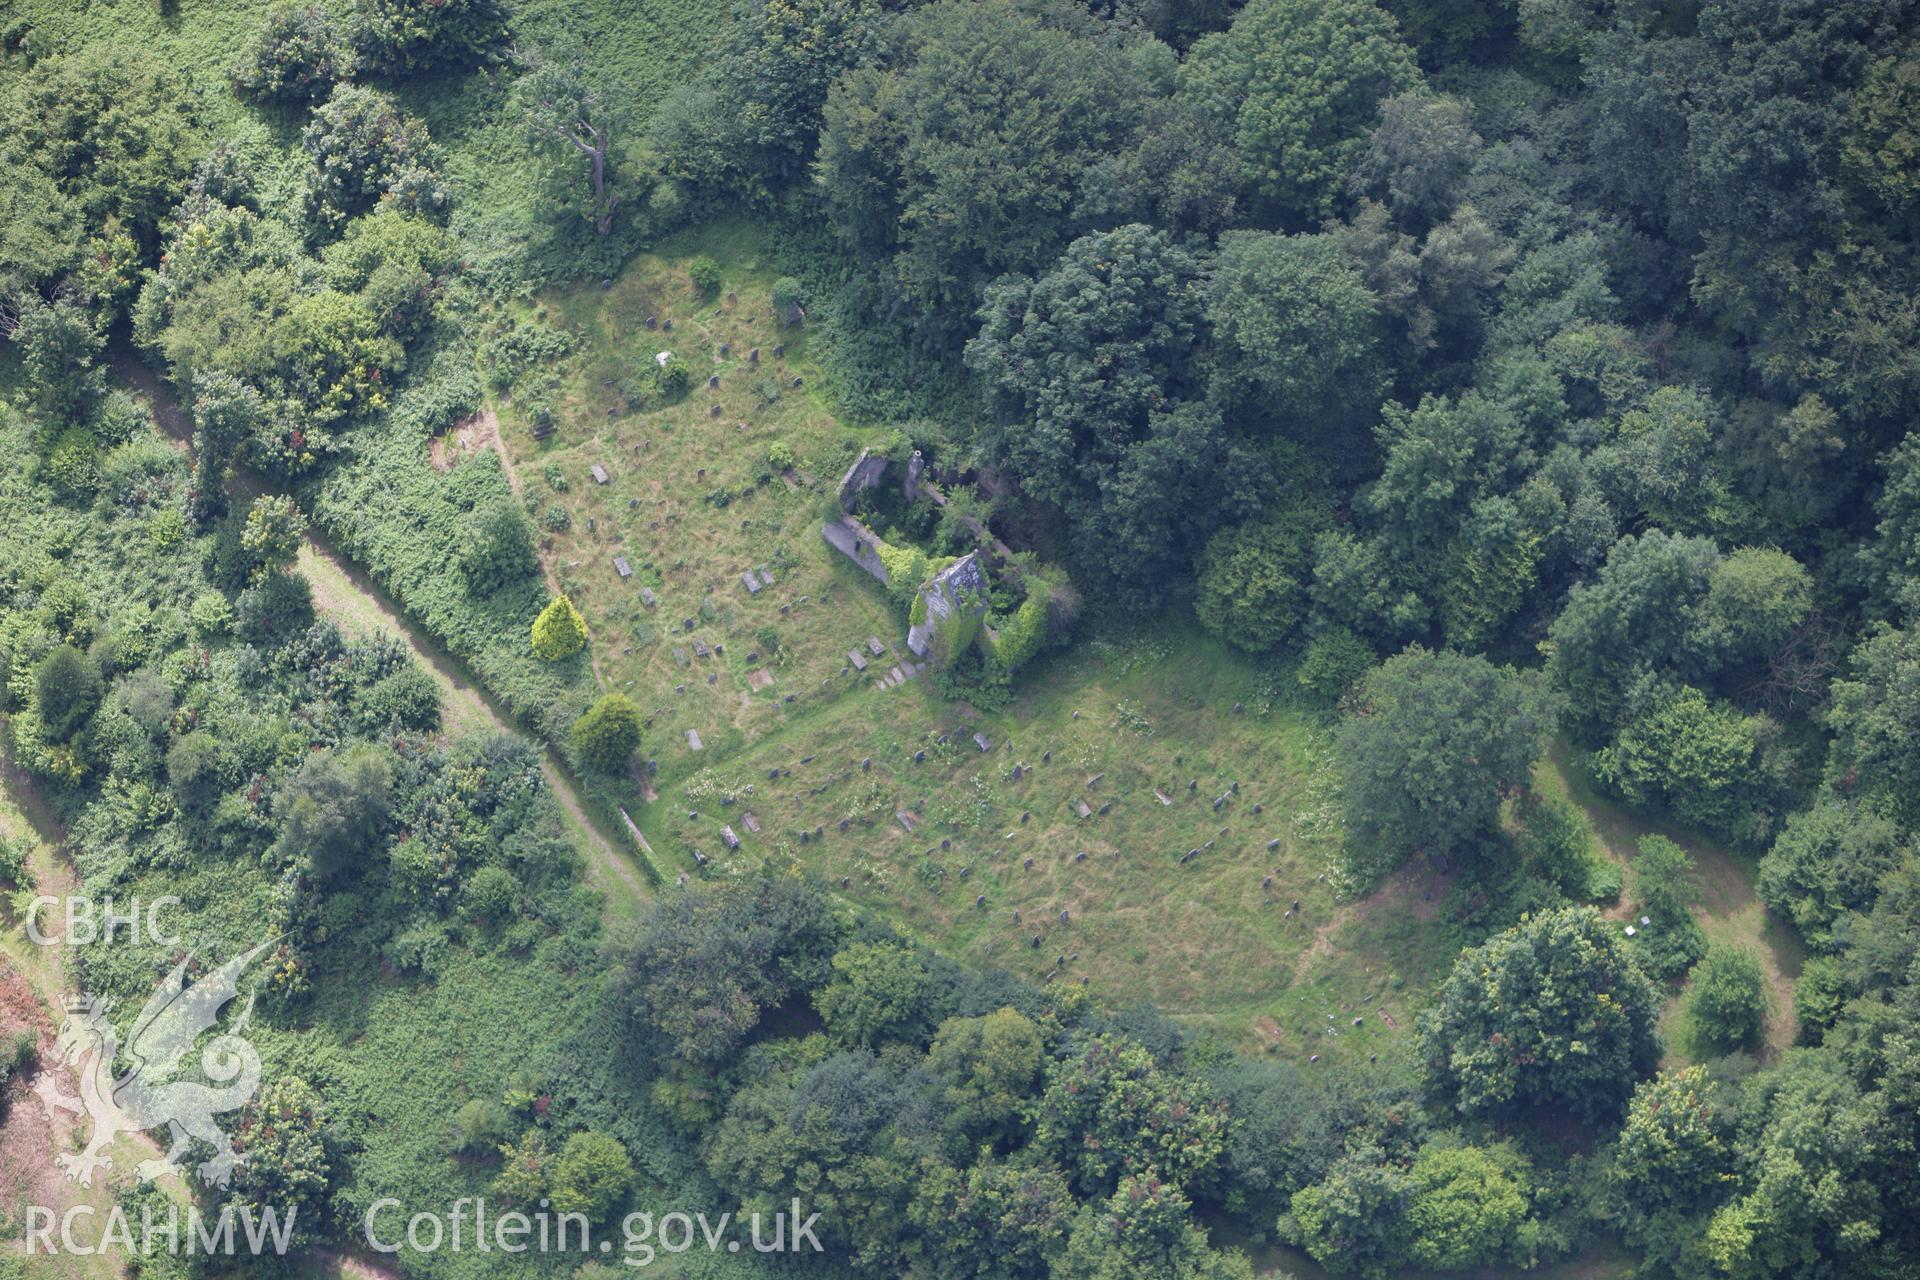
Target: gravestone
x=648, y=598
x=779, y=351
x=751, y=583
x=726, y=349
x=621, y=567
x=981, y=741
x=713, y=381
x=652, y=323
x=751, y=823
x=727, y=837
x=873, y=644
x=859, y=662
x=693, y=739
x=598, y=472
x=753, y=356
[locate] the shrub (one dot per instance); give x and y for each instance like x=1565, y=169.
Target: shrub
x=1334, y=662
x=72, y=465
x=559, y=632
x=606, y=735
x=1556, y=843
x=521, y=348
x=491, y=894
x=283, y=1132
x=591, y=1175
x=193, y=768
x=1017, y=638
x=523, y=1169
x=1252, y=584
x=787, y=295
x=295, y=56
x=704, y=273
x=396, y=37
x=16, y=1051
x=480, y=1126
x=13, y=863
x=275, y=609
x=1694, y=754
x=361, y=146
x=673, y=378
x=1663, y=885
x=1726, y=1005
x=907, y=568
x=272, y=534
x=878, y=989
x=780, y=456
x=67, y=688
x=167, y=528
x=496, y=548
x=408, y=697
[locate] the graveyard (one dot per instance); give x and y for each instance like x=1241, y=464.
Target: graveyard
x=1212, y=641
x=1200, y=875
x=784, y=710
x=698, y=563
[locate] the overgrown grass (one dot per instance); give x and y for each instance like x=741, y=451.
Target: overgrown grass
x=692, y=502
x=1208, y=940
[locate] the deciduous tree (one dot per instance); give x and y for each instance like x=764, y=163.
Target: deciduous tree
x=1553, y=1012
x=1434, y=742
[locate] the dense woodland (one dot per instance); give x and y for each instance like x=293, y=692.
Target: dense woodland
x=1490, y=373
